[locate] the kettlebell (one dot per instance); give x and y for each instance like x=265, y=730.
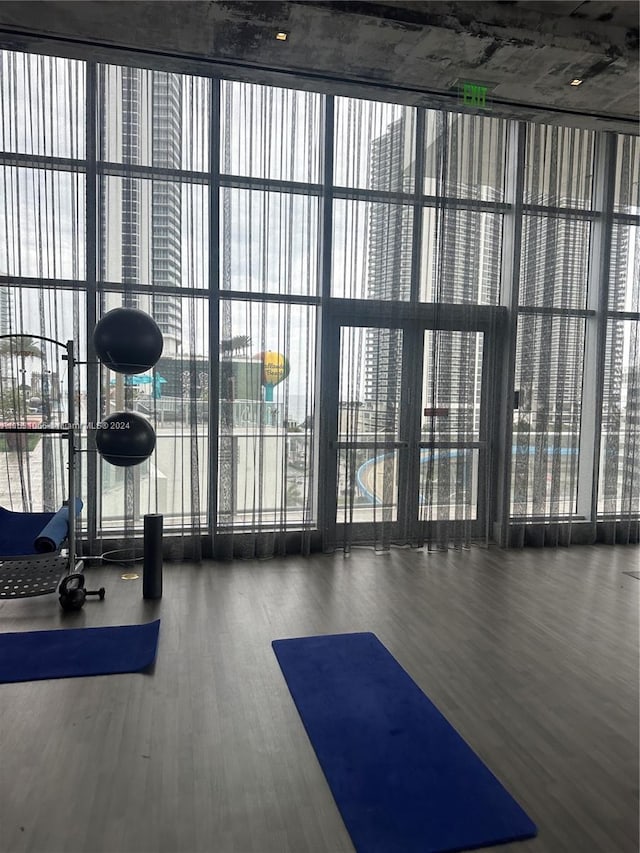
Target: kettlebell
x=72, y=592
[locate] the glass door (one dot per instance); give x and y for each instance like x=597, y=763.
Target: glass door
x=371, y=442
x=407, y=434
x=452, y=433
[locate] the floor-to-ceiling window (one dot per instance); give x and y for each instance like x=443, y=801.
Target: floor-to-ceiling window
x=619, y=480
x=42, y=263
x=552, y=321
x=331, y=276
x=150, y=197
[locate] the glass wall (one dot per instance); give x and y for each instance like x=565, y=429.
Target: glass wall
x=151, y=205
x=619, y=475
x=236, y=214
x=551, y=335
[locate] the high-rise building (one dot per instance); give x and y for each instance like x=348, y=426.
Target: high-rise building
x=140, y=218
x=389, y=271
x=460, y=263
x=5, y=307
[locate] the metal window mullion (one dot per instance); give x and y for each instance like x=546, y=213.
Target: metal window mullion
x=485, y=479
x=42, y=283
x=435, y=445
x=328, y=351
x=91, y=257
x=133, y=170
x=623, y=315
x=370, y=445
x=370, y=195
x=42, y=161
x=416, y=244
x=280, y=298
x=502, y=401
x=390, y=197
x=553, y=311
x=215, y=129
x=553, y=212
x=477, y=204
x=242, y=182
x=443, y=315
x=141, y=289
x=626, y=218
x=408, y=464
x=596, y=329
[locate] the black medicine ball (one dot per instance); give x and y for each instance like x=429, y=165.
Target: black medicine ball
x=125, y=438
x=128, y=341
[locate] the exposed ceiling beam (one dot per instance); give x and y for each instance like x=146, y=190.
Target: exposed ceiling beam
x=414, y=52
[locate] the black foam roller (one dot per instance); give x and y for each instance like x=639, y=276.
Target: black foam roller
x=152, y=560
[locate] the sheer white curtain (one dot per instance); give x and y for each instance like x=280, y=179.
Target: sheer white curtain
x=577, y=354
x=153, y=225
x=619, y=474
x=270, y=283
x=417, y=234
x=334, y=286
x=42, y=269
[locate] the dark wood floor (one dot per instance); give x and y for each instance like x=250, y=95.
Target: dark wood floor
x=532, y=655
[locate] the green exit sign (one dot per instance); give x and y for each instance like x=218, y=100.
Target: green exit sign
x=473, y=95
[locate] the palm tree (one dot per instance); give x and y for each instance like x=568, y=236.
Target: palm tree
x=19, y=346
x=236, y=344
x=22, y=347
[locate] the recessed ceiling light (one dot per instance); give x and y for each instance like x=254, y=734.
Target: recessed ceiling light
x=282, y=36
x=575, y=82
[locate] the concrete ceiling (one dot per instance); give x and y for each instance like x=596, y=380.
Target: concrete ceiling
x=526, y=52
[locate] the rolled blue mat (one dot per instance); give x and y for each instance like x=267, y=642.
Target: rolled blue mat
x=19, y=529
x=55, y=532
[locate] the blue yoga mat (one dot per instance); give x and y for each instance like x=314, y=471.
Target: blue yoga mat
x=18, y=531
x=403, y=778
x=71, y=652
x=54, y=534
x=33, y=532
